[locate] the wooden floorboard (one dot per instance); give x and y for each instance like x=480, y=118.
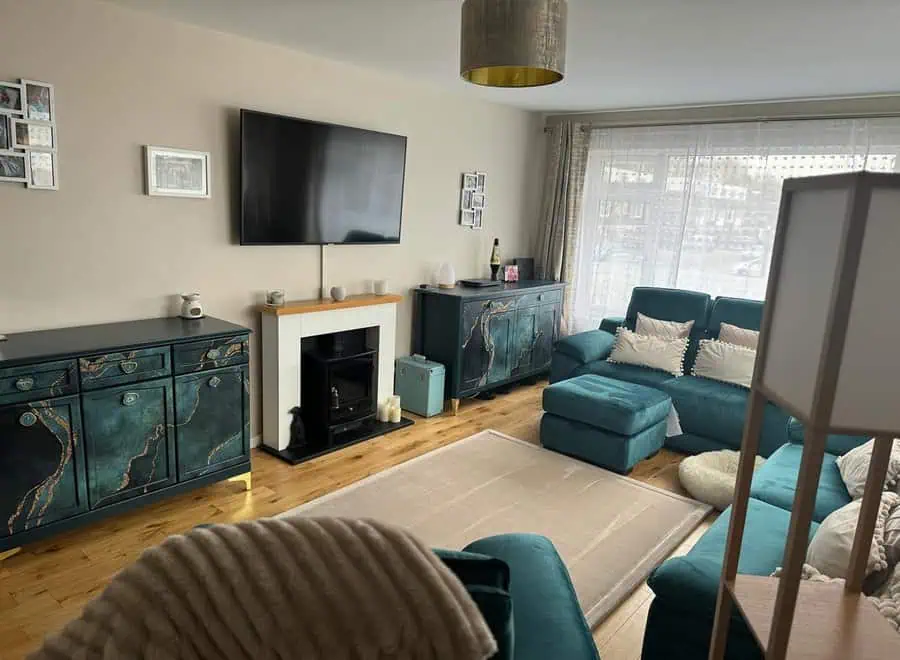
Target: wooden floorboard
x=49, y=582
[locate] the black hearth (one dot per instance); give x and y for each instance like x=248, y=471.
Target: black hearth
x=338, y=386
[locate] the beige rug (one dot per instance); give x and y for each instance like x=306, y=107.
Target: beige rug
x=611, y=531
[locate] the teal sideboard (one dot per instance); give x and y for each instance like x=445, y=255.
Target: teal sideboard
x=488, y=337
x=96, y=420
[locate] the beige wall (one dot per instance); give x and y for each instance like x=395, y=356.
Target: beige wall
x=99, y=250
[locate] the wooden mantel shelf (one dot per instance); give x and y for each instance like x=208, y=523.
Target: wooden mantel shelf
x=309, y=306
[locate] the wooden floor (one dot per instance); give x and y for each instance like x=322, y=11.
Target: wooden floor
x=48, y=583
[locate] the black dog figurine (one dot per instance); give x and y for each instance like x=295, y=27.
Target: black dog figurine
x=298, y=431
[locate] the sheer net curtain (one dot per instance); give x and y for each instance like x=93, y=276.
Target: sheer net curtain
x=695, y=207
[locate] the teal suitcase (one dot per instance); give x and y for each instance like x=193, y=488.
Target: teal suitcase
x=420, y=384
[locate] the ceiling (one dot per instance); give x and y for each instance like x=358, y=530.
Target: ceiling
x=622, y=53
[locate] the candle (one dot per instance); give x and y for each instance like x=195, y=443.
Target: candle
x=395, y=414
x=384, y=412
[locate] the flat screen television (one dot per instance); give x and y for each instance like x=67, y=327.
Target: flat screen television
x=308, y=183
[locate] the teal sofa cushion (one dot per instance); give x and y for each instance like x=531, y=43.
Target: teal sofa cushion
x=626, y=372
x=606, y=403
x=473, y=568
x=587, y=346
x=604, y=448
x=741, y=312
x=563, y=366
x=716, y=410
x=548, y=622
x=612, y=323
x=834, y=444
x=690, y=583
x=776, y=482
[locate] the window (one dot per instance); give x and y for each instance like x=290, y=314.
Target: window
x=695, y=207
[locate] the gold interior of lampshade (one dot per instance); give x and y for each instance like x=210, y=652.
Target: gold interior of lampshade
x=512, y=76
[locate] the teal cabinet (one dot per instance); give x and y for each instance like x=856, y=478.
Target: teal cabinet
x=524, y=341
x=546, y=336
x=129, y=440
x=41, y=464
x=498, y=343
x=212, y=417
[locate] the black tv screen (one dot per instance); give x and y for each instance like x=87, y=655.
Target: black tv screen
x=307, y=183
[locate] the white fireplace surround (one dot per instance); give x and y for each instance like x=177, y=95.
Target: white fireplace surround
x=282, y=334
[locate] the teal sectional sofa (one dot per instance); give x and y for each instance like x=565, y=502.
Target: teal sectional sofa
x=680, y=621
x=711, y=413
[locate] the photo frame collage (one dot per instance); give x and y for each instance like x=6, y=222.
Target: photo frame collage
x=28, y=143
x=473, y=200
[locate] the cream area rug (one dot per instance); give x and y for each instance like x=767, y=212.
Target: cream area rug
x=611, y=531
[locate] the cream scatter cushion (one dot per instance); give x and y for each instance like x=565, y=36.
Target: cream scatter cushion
x=725, y=362
x=829, y=550
x=892, y=538
x=854, y=467
x=733, y=334
x=646, y=351
x=647, y=325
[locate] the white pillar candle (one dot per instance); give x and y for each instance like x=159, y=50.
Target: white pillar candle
x=395, y=414
x=384, y=412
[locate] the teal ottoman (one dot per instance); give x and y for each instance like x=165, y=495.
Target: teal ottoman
x=607, y=422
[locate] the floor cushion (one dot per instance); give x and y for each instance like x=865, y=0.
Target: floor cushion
x=776, y=482
x=711, y=476
x=613, y=405
x=717, y=410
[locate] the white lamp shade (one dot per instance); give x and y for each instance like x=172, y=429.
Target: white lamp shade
x=832, y=230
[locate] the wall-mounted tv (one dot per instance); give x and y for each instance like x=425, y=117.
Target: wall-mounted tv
x=308, y=183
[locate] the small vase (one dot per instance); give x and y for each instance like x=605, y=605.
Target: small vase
x=338, y=293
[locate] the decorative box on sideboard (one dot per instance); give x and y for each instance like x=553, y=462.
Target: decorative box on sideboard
x=95, y=420
x=488, y=337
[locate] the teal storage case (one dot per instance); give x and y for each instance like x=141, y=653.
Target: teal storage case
x=420, y=384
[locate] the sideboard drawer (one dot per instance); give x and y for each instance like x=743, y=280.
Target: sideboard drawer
x=38, y=381
x=540, y=298
x=211, y=354
x=122, y=368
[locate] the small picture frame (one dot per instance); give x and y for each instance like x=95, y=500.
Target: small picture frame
x=34, y=134
x=467, y=218
x=39, y=101
x=478, y=201
x=177, y=172
x=11, y=100
x=510, y=273
x=42, y=170
x=14, y=166
x=478, y=222
x=465, y=202
x=6, y=138
x=481, y=179
x=470, y=181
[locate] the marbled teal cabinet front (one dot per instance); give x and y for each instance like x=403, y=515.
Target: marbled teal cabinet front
x=488, y=338
x=100, y=419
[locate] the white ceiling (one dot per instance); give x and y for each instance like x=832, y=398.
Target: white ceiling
x=622, y=53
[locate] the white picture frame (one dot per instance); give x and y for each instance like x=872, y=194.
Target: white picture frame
x=28, y=134
x=465, y=201
x=478, y=201
x=478, y=221
x=6, y=134
x=39, y=100
x=470, y=181
x=43, y=170
x=467, y=218
x=176, y=172
x=12, y=98
x=22, y=172
x=481, y=178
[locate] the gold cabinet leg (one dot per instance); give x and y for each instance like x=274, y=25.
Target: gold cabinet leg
x=454, y=407
x=246, y=478
x=6, y=554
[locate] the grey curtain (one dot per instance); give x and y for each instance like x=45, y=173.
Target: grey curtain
x=567, y=153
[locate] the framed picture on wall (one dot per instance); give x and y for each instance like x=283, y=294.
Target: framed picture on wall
x=478, y=201
x=39, y=102
x=467, y=218
x=470, y=181
x=34, y=134
x=42, y=170
x=478, y=221
x=5, y=132
x=13, y=167
x=177, y=172
x=482, y=182
x=11, y=98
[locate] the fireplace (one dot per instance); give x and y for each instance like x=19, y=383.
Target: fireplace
x=338, y=388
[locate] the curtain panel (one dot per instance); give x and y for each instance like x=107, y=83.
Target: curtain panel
x=567, y=151
x=695, y=207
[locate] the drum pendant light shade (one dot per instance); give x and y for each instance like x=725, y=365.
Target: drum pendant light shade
x=513, y=43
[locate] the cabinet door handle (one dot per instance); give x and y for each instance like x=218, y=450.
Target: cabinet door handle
x=215, y=381
x=128, y=366
x=540, y=297
x=130, y=398
x=28, y=419
x=213, y=354
x=25, y=383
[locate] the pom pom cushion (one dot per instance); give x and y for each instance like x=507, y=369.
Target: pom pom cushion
x=647, y=351
x=732, y=334
x=652, y=327
x=854, y=467
x=725, y=362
